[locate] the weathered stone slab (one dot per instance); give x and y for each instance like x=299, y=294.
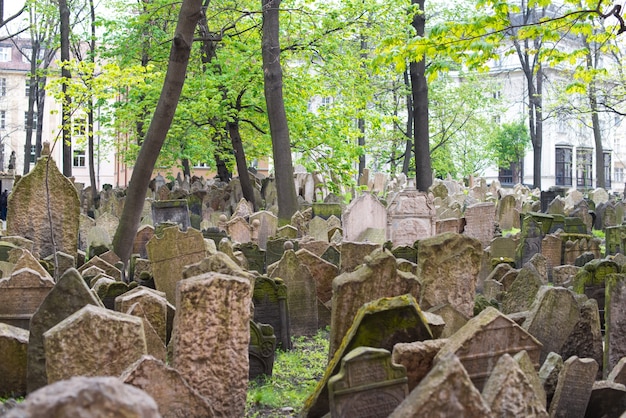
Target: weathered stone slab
x=214, y=362
x=174, y=397
x=479, y=222
x=615, y=318
x=21, y=294
x=170, y=253
x=526, y=365
x=367, y=385
x=549, y=375
x=171, y=211
x=322, y=271
x=585, y=340
x=417, y=358
x=378, y=278
x=261, y=350
x=267, y=227
x=361, y=214
x=270, y=307
x=153, y=304
x=449, y=265
x=446, y=391
x=13, y=344
x=87, y=397
x=618, y=373
x=509, y=393
x=484, y=338
x=44, y=207
x=608, y=399
x=521, y=293
x=574, y=387
x=67, y=296
x=410, y=217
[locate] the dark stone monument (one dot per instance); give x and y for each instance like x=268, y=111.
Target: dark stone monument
x=174, y=211
x=270, y=307
x=261, y=350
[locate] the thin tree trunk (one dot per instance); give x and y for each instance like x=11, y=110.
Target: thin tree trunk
x=66, y=75
x=242, y=165
x=30, y=113
x=408, y=151
x=273, y=86
x=190, y=12
x=90, y=111
x=419, y=88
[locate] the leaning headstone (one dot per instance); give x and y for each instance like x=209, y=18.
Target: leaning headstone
x=417, y=358
x=21, y=294
x=318, y=229
x=67, y=296
x=380, y=324
x=219, y=305
x=270, y=307
x=170, y=253
x=484, y=338
x=618, y=373
x=376, y=279
x=353, y=254
x=410, y=217
x=530, y=241
x=446, y=391
x=508, y=213
x=144, y=234
x=13, y=343
x=239, y=230
x=553, y=316
x=301, y=293
x=93, y=341
x=479, y=222
x=522, y=291
x=261, y=350
x=167, y=387
x=322, y=271
x=81, y=396
x=614, y=319
x=508, y=392
x=361, y=214
x=44, y=207
x=367, y=385
x=585, y=340
x=608, y=399
x=526, y=365
x=153, y=304
x=574, y=387
x=449, y=265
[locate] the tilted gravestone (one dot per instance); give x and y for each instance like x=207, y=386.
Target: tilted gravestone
x=261, y=350
x=21, y=294
x=530, y=241
x=93, y=341
x=13, y=343
x=479, y=222
x=218, y=304
x=67, y=296
x=144, y=234
x=268, y=224
x=367, y=385
x=417, y=358
x=574, y=387
x=615, y=317
x=270, y=307
x=154, y=307
x=44, y=207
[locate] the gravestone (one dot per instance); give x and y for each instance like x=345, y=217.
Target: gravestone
x=276, y=249
x=155, y=345
x=218, y=304
x=483, y=339
x=270, y=307
x=268, y=225
x=446, y=391
x=44, y=207
x=153, y=304
x=546, y=198
x=449, y=265
x=108, y=222
x=363, y=213
x=67, y=296
x=552, y=318
x=167, y=387
x=585, y=340
x=109, y=289
x=171, y=211
x=573, y=389
x=410, y=217
x=301, y=293
x=13, y=344
x=326, y=210
x=254, y=256
x=144, y=234
x=109, y=269
x=170, y=253
x=322, y=271
x=332, y=255
x=479, y=222
x=318, y=229
x=552, y=249
x=261, y=350
x=353, y=254
x=417, y=358
x=614, y=320
x=521, y=292
x=93, y=341
x=382, y=323
x=377, y=278
x=508, y=392
x=85, y=224
x=450, y=225
x=367, y=385
x=503, y=249
x=508, y=213
x=530, y=241
x=21, y=294
x=239, y=230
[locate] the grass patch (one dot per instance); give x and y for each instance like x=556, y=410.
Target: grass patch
x=294, y=378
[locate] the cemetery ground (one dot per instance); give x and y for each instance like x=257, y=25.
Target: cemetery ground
x=295, y=374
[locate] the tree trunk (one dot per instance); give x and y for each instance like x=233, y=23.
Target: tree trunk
x=189, y=14
x=30, y=113
x=538, y=141
x=273, y=87
x=66, y=75
x=186, y=167
x=597, y=137
x=242, y=165
x=90, y=112
x=408, y=151
x=419, y=90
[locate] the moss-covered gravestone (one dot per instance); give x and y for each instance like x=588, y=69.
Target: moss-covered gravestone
x=44, y=207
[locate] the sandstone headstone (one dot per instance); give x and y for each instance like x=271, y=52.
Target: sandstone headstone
x=614, y=319
x=508, y=212
x=574, y=387
x=93, y=342
x=530, y=241
x=174, y=397
x=268, y=224
x=367, y=385
x=522, y=291
x=144, y=234
x=153, y=304
x=44, y=207
x=13, y=344
x=261, y=350
x=410, y=217
x=585, y=340
x=446, y=391
x=171, y=211
x=479, y=222
x=270, y=307
x=618, y=373
x=21, y=294
x=484, y=338
x=417, y=358
x=239, y=230
x=67, y=296
x=214, y=362
x=549, y=375
x=363, y=213
x=608, y=399
x=170, y=253
x=353, y=254
x=449, y=264
x=322, y=271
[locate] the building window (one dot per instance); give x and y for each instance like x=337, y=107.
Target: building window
x=80, y=127
x=3, y=86
x=584, y=167
x=563, y=166
x=327, y=101
x=496, y=94
x=618, y=175
x=510, y=175
x=33, y=151
x=3, y=119
x=79, y=157
x=27, y=88
x=200, y=165
x=5, y=53
x=607, y=170
x=34, y=120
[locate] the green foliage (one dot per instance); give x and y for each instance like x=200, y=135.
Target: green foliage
x=510, y=142
x=294, y=378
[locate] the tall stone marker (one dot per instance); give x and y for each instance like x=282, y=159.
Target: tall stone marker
x=363, y=213
x=44, y=207
x=411, y=217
